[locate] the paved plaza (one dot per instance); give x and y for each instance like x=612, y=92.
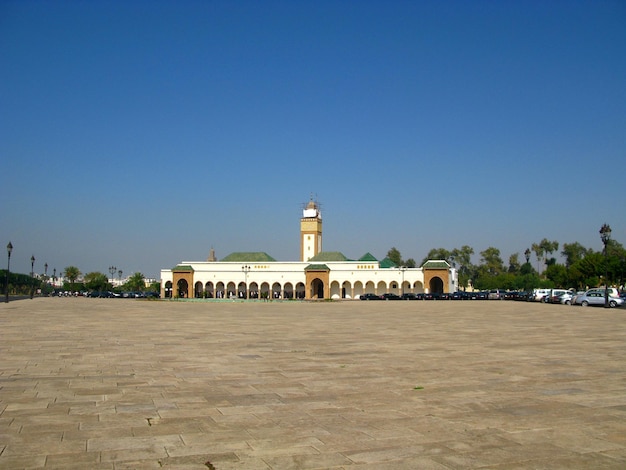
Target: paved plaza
x=134, y=384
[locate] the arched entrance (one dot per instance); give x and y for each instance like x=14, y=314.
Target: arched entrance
x=208, y=290
x=182, y=288
x=436, y=285
x=168, y=290
x=300, y=291
x=242, y=292
x=198, y=291
x=288, y=290
x=317, y=289
x=317, y=278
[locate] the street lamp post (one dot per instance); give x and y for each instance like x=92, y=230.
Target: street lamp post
x=605, y=236
x=112, y=270
x=45, y=279
x=32, y=276
x=246, y=270
x=54, y=277
x=9, y=250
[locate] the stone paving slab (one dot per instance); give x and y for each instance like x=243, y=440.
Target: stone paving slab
x=132, y=384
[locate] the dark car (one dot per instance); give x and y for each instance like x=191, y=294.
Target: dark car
x=459, y=296
x=409, y=296
x=370, y=297
x=390, y=296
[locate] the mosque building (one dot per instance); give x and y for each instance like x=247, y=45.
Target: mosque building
x=318, y=275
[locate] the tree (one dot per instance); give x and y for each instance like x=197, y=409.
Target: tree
x=557, y=273
x=394, y=255
x=462, y=257
x=538, y=250
x=437, y=253
x=514, y=264
x=490, y=259
x=573, y=252
x=72, y=273
x=96, y=281
x=136, y=282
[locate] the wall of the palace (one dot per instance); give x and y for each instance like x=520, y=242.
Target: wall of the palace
x=346, y=279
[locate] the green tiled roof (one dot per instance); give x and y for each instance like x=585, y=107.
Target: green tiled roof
x=387, y=263
x=329, y=256
x=184, y=268
x=367, y=257
x=436, y=264
x=252, y=256
x=317, y=267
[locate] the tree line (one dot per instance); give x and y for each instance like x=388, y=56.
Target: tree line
x=583, y=267
x=73, y=281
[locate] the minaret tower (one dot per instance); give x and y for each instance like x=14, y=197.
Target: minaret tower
x=310, y=231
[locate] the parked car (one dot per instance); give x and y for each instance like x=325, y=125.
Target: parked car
x=390, y=296
x=613, y=292
x=495, y=294
x=596, y=297
x=539, y=294
x=566, y=299
x=553, y=297
x=409, y=296
x=369, y=297
x=482, y=295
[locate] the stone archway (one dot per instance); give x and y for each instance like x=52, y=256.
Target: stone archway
x=208, y=290
x=300, y=291
x=317, y=278
x=436, y=285
x=242, y=291
x=317, y=288
x=182, y=288
x=167, y=290
x=198, y=290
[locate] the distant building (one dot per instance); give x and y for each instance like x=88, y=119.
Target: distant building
x=318, y=274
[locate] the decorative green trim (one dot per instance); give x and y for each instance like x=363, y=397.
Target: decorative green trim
x=436, y=264
x=317, y=267
x=183, y=269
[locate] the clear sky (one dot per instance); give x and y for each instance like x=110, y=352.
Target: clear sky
x=142, y=133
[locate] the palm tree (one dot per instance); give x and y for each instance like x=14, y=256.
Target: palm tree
x=72, y=273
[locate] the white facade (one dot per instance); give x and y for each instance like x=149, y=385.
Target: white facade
x=346, y=279
x=324, y=275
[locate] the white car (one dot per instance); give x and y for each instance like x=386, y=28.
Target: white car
x=539, y=294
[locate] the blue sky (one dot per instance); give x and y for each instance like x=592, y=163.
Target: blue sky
x=142, y=133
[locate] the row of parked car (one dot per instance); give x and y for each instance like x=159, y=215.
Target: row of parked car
x=596, y=296
x=554, y=296
x=125, y=295
x=428, y=296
